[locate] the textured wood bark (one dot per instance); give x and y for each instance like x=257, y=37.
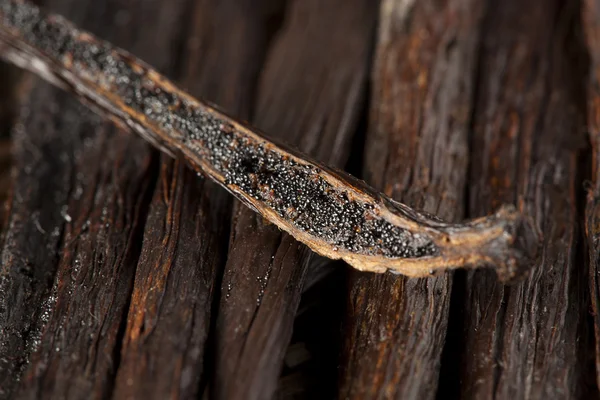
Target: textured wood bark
x=523, y=341
x=591, y=19
x=417, y=152
x=310, y=94
x=185, y=239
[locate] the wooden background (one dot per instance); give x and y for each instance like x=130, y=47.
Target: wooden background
x=124, y=275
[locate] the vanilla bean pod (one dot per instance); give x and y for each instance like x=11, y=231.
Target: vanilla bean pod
x=334, y=214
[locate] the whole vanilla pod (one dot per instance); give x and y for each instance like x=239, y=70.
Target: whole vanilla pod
x=331, y=212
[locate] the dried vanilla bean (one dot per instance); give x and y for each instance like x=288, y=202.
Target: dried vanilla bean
x=334, y=214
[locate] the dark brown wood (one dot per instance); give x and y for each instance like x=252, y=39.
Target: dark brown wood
x=334, y=214
x=185, y=238
x=591, y=19
x=523, y=341
x=417, y=151
x=311, y=94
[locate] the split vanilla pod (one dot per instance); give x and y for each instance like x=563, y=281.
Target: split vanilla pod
x=331, y=212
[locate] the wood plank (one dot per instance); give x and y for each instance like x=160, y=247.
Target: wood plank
x=310, y=94
x=185, y=239
x=417, y=153
x=527, y=340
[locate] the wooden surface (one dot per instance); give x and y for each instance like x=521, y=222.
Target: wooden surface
x=124, y=275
